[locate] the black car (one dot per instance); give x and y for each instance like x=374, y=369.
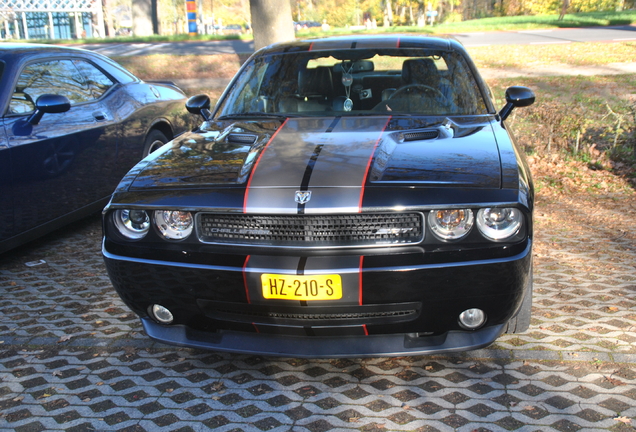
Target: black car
x=73, y=123
x=346, y=197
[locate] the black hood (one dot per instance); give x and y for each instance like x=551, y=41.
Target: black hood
x=337, y=149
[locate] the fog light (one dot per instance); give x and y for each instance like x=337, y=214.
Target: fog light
x=472, y=319
x=161, y=314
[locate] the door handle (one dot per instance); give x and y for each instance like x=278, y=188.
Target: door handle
x=100, y=116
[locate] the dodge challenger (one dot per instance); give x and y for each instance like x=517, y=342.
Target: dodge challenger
x=345, y=197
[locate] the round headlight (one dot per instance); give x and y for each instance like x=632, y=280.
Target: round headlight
x=174, y=224
x=133, y=224
x=451, y=224
x=499, y=223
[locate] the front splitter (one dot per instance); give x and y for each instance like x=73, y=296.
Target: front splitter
x=392, y=345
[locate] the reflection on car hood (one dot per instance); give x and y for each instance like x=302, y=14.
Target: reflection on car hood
x=330, y=152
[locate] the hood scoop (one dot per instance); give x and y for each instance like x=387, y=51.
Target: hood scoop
x=241, y=138
x=421, y=135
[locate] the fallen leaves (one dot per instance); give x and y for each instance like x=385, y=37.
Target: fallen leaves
x=615, y=381
x=623, y=419
x=65, y=338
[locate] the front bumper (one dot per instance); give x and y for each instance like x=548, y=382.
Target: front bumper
x=393, y=304
x=322, y=346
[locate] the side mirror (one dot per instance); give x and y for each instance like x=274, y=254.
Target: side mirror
x=48, y=104
x=199, y=104
x=516, y=97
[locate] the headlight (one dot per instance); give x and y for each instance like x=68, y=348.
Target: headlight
x=451, y=224
x=499, y=223
x=133, y=224
x=174, y=225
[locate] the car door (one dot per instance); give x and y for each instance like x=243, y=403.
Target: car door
x=6, y=209
x=59, y=165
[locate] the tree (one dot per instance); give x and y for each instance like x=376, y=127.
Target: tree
x=388, y=14
x=564, y=9
x=144, y=17
x=271, y=22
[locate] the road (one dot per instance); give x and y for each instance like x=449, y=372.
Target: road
x=531, y=37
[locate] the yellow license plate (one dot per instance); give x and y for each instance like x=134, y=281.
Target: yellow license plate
x=301, y=287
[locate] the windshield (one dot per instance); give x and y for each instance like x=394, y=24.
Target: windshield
x=350, y=82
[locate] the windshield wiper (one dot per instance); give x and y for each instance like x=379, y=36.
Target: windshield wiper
x=255, y=114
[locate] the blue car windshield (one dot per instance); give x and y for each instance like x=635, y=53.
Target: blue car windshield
x=389, y=81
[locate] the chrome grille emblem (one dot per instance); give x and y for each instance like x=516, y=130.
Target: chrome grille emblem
x=302, y=197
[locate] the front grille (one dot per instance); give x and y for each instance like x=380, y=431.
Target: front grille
x=351, y=230
x=311, y=315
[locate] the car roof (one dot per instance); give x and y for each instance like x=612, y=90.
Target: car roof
x=446, y=43
x=35, y=47
x=10, y=51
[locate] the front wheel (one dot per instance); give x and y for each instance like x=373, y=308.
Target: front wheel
x=154, y=140
x=520, y=322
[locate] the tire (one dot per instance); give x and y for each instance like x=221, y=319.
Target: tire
x=154, y=140
x=520, y=322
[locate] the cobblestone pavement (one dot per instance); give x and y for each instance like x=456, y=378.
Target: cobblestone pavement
x=73, y=358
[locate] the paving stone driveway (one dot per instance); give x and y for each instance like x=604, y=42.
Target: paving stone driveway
x=73, y=358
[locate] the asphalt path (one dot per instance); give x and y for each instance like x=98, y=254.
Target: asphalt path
x=529, y=37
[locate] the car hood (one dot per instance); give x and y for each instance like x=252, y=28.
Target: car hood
x=329, y=152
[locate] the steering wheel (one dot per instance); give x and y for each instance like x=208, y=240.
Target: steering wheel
x=420, y=87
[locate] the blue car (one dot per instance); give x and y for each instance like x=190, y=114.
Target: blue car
x=73, y=123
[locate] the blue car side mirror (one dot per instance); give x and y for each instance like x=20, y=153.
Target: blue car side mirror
x=48, y=104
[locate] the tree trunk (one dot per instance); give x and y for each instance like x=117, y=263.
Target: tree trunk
x=271, y=22
x=388, y=14
x=108, y=18
x=143, y=12
x=564, y=9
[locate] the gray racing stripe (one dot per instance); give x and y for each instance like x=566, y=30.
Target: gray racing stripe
x=282, y=166
x=343, y=164
x=346, y=148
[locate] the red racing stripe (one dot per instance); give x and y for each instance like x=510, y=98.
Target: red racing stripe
x=366, y=171
x=364, y=326
x=249, y=181
x=360, y=281
x=247, y=291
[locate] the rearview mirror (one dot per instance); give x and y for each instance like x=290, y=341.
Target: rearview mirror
x=516, y=97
